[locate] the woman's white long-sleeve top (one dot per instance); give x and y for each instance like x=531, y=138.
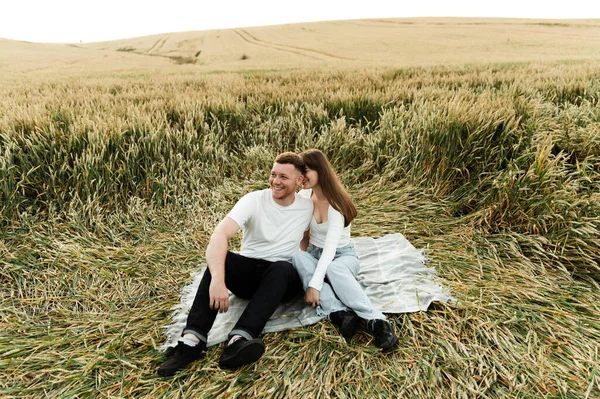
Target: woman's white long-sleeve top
x=328, y=235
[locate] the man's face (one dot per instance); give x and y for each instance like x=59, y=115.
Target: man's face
x=284, y=180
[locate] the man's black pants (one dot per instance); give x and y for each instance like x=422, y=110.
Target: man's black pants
x=264, y=283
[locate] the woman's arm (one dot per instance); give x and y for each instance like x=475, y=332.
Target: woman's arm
x=334, y=234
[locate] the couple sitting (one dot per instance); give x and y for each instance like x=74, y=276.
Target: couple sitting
x=270, y=269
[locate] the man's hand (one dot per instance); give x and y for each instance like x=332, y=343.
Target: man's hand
x=311, y=297
x=219, y=296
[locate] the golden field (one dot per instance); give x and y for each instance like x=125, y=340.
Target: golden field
x=395, y=43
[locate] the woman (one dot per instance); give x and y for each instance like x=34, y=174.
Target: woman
x=329, y=266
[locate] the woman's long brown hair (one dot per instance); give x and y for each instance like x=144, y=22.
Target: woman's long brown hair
x=331, y=186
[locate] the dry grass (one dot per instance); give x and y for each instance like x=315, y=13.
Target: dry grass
x=86, y=306
x=111, y=184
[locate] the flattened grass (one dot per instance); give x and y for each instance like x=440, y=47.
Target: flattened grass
x=88, y=309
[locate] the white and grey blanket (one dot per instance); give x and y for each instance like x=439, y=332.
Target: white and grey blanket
x=392, y=273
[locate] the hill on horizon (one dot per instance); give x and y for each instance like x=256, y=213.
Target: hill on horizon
x=399, y=43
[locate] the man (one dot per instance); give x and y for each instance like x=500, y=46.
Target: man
x=273, y=222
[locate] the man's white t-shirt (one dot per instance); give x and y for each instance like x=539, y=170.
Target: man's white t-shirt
x=270, y=231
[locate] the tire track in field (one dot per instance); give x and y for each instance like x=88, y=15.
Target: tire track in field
x=158, y=45
x=154, y=45
x=306, y=52
x=272, y=47
x=310, y=50
x=162, y=44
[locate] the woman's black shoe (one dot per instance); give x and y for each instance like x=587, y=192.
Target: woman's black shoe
x=346, y=322
x=383, y=332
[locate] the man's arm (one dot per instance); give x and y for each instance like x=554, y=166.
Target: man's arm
x=215, y=258
x=305, y=240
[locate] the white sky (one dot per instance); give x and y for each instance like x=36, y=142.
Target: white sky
x=99, y=20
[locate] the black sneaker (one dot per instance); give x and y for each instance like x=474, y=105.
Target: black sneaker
x=180, y=357
x=241, y=352
x=383, y=332
x=346, y=322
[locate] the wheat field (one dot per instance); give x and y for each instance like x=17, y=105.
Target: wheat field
x=118, y=159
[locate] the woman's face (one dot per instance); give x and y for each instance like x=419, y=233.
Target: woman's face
x=311, y=179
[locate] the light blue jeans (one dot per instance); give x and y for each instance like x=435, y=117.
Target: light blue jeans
x=340, y=289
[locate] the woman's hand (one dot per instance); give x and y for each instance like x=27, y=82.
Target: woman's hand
x=311, y=297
